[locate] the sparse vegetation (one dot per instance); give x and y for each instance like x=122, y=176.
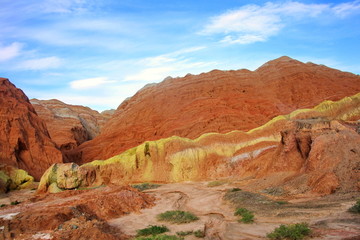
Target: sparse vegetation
x=199, y=234
x=235, y=189
x=177, y=217
x=160, y=237
x=16, y=202
x=246, y=215
x=184, y=233
x=2, y=205
x=145, y=186
x=356, y=207
x=216, y=183
x=152, y=230
x=291, y=232
x=281, y=202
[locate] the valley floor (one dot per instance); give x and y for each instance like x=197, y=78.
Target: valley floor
x=215, y=206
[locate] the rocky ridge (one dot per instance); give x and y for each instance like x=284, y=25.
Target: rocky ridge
x=217, y=101
x=309, y=150
x=24, y=140
x=70, y=125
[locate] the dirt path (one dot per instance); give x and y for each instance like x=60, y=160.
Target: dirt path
x=328, y=217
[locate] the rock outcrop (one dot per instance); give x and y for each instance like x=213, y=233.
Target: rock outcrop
x=315, y=150
x=217, y=101
x=12, y=178
x=73, y=215
x=70, y=125
x=24, y=140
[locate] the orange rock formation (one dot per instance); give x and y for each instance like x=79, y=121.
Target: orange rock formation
x=24, y=140
x=70, y=125
x=309, y=150
x=218, y=101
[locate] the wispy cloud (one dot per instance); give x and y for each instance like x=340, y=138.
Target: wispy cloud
x=40, y=63
x=345, y=9
x=256, y=23
x=150, y=74
x=178, y=63
x=64, y=6
x=89, y=83
x=10, y=51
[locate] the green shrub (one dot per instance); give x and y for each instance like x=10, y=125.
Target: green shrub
x=246, y=215
x=199, y=234
x=2, y=205
x=235, y=190
x=145, y=186
x=16, y=202
x=356, y=207
x=240, y=211
x=177, y=217
x=152, y=230
x=184, y=233
x=160, y=237
x=216, y=183
x=292, y=232
x=281, y=202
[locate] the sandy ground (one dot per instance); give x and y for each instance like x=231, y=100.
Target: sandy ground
x=327, y=216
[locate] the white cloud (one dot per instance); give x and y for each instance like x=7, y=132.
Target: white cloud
x=89, y=83
x=345, y=9
x=155, y=69
x=244, y=39
x=9, y=52
x=254, y=23
x=63, y=6
x=40, y=63
x=150, y=74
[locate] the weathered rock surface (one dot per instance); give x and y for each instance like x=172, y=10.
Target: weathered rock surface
x=218, y=101
x=70, y=125
x=74, y=214
x=24, y=140
x=309, y=150
x=12, y=178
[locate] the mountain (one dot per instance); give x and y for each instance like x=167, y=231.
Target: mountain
x=70, y=125
x=217, y=101
x=24, y=140
x=309, y=150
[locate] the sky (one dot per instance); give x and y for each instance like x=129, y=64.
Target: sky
x=98, y=53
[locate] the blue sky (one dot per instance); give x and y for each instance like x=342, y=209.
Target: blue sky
x=97, y=53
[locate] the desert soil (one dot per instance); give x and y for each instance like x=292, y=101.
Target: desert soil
x=328, y=216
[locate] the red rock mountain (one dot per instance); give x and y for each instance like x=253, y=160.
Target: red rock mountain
x=217, y=101
x=24, y=140
x=70, y=125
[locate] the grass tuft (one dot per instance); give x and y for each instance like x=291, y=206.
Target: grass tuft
x=246, y=215
x=152, y=230
x=16, y=202
x=160, y=237
x=216, y=183
x=184, y=233
x=235, y=190
x=177, y=217
x=199, y=234
x=292, y=232
x=356, y=207
x=145, y=186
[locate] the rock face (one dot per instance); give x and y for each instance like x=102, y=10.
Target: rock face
x=70, y=125
x=73, y=215
x=309, y=150
x=218, y=101
x=24, y=140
